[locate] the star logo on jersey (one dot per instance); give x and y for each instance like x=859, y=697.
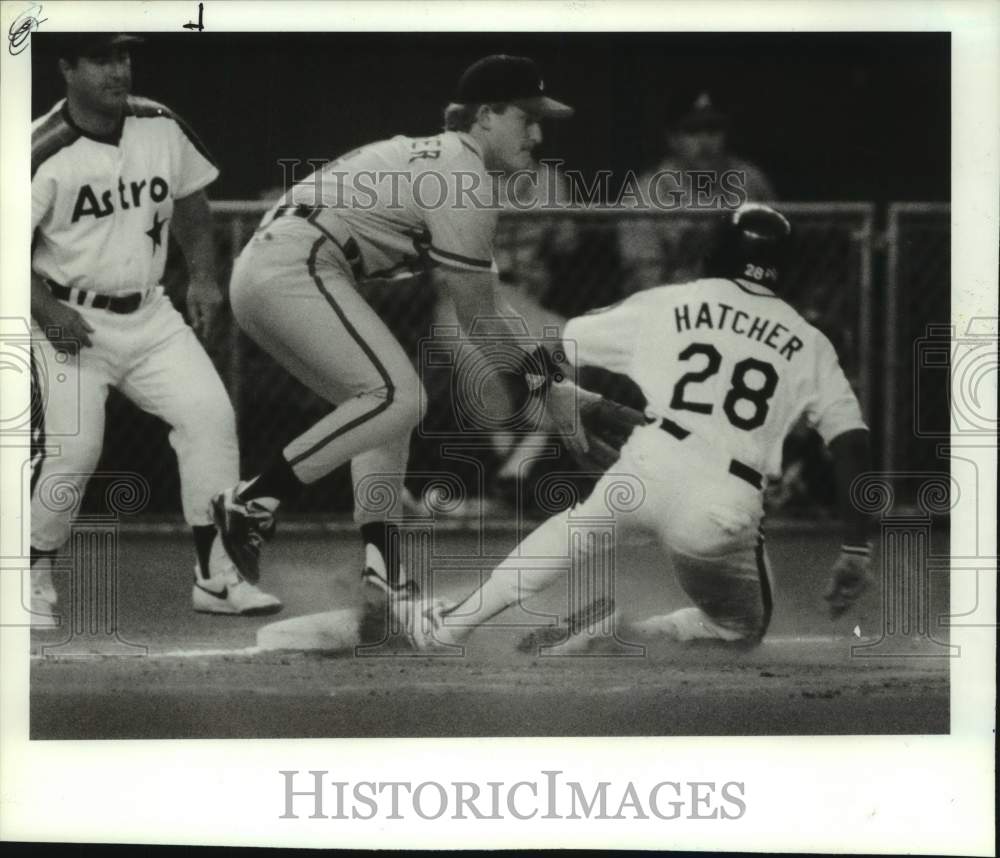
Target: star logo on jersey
x=155, y=232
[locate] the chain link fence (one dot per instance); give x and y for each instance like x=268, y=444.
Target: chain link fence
x=917, y=359
x=557, y=264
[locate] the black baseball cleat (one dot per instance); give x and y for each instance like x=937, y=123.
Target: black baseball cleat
x=243, y=526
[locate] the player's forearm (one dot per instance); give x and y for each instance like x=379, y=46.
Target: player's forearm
x=192, y=227
x=481, y=310
x=478, y=307
x=42, y=299
x=851, y=457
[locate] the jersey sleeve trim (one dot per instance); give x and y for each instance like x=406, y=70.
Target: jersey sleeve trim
x=447, y=258
x=469, y=144
x=49, y=138
x=146, y=108
x=472, y=149
x=200, y=184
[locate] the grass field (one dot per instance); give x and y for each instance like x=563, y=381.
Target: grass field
x=197, y=676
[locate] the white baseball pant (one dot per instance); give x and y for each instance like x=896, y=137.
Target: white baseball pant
x=706, y=517
x=155, y=360
x=295, y=294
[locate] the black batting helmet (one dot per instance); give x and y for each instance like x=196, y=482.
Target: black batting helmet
x=750, y=242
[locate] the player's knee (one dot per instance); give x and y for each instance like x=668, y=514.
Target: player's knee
x=55, y=499
x=208, y=417
x=734, y=603
x=406, y=403
x=414, y=403
x=78, y=454
x=750, y=623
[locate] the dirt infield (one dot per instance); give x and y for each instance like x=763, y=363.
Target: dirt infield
x=195, y=676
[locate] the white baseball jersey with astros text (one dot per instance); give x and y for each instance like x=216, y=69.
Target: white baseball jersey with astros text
x=409, y=203
x=727, y=360
x=100, y=207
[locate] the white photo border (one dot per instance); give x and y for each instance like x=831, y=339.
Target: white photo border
x=896, y=794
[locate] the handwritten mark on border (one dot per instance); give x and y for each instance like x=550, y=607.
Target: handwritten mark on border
x=19, y=34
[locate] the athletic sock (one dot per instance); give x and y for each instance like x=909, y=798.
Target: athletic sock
x=39, y=554
x=276, y=481
x=377, y=536
x=204, y=536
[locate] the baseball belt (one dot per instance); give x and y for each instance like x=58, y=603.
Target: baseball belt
x=348, y=246
x=736, y=468
x=112, y=303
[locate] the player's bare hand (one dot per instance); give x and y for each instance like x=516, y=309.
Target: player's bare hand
x=65, y=327
x=850, y=578
x=203, y=302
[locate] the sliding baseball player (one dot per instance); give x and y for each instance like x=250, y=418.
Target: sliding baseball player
x=727, y=368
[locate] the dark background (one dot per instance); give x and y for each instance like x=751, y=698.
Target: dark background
x=828, y=116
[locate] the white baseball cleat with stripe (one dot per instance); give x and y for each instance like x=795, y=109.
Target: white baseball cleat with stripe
x=226, y=591
x=240, y=597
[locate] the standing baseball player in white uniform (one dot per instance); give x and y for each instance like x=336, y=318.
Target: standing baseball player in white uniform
x=727, y=368
x=388, y=210
x=111, y=173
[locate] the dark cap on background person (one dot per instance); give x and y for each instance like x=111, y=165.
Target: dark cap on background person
x=701, y=115
x=501, y=78
x=72, y=46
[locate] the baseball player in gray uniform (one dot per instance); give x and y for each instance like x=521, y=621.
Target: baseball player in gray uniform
x=110, y=175
x=727, y=368
x=388, y=210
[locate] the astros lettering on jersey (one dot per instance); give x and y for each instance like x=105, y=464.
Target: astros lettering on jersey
x=405, y=201
x=726, y=359
x=110, y=235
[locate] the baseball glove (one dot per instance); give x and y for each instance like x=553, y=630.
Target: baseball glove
x=593, y=428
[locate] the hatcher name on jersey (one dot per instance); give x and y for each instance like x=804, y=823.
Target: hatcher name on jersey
x=130, y=195
x=723, y=317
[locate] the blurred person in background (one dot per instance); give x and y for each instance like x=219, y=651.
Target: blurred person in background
x=698, y=172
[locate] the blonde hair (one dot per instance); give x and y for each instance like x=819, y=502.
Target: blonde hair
x=461, y=117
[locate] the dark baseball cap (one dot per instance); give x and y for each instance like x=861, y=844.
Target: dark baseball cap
x=509, y=80
x=702, y=115
x=70, y=46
